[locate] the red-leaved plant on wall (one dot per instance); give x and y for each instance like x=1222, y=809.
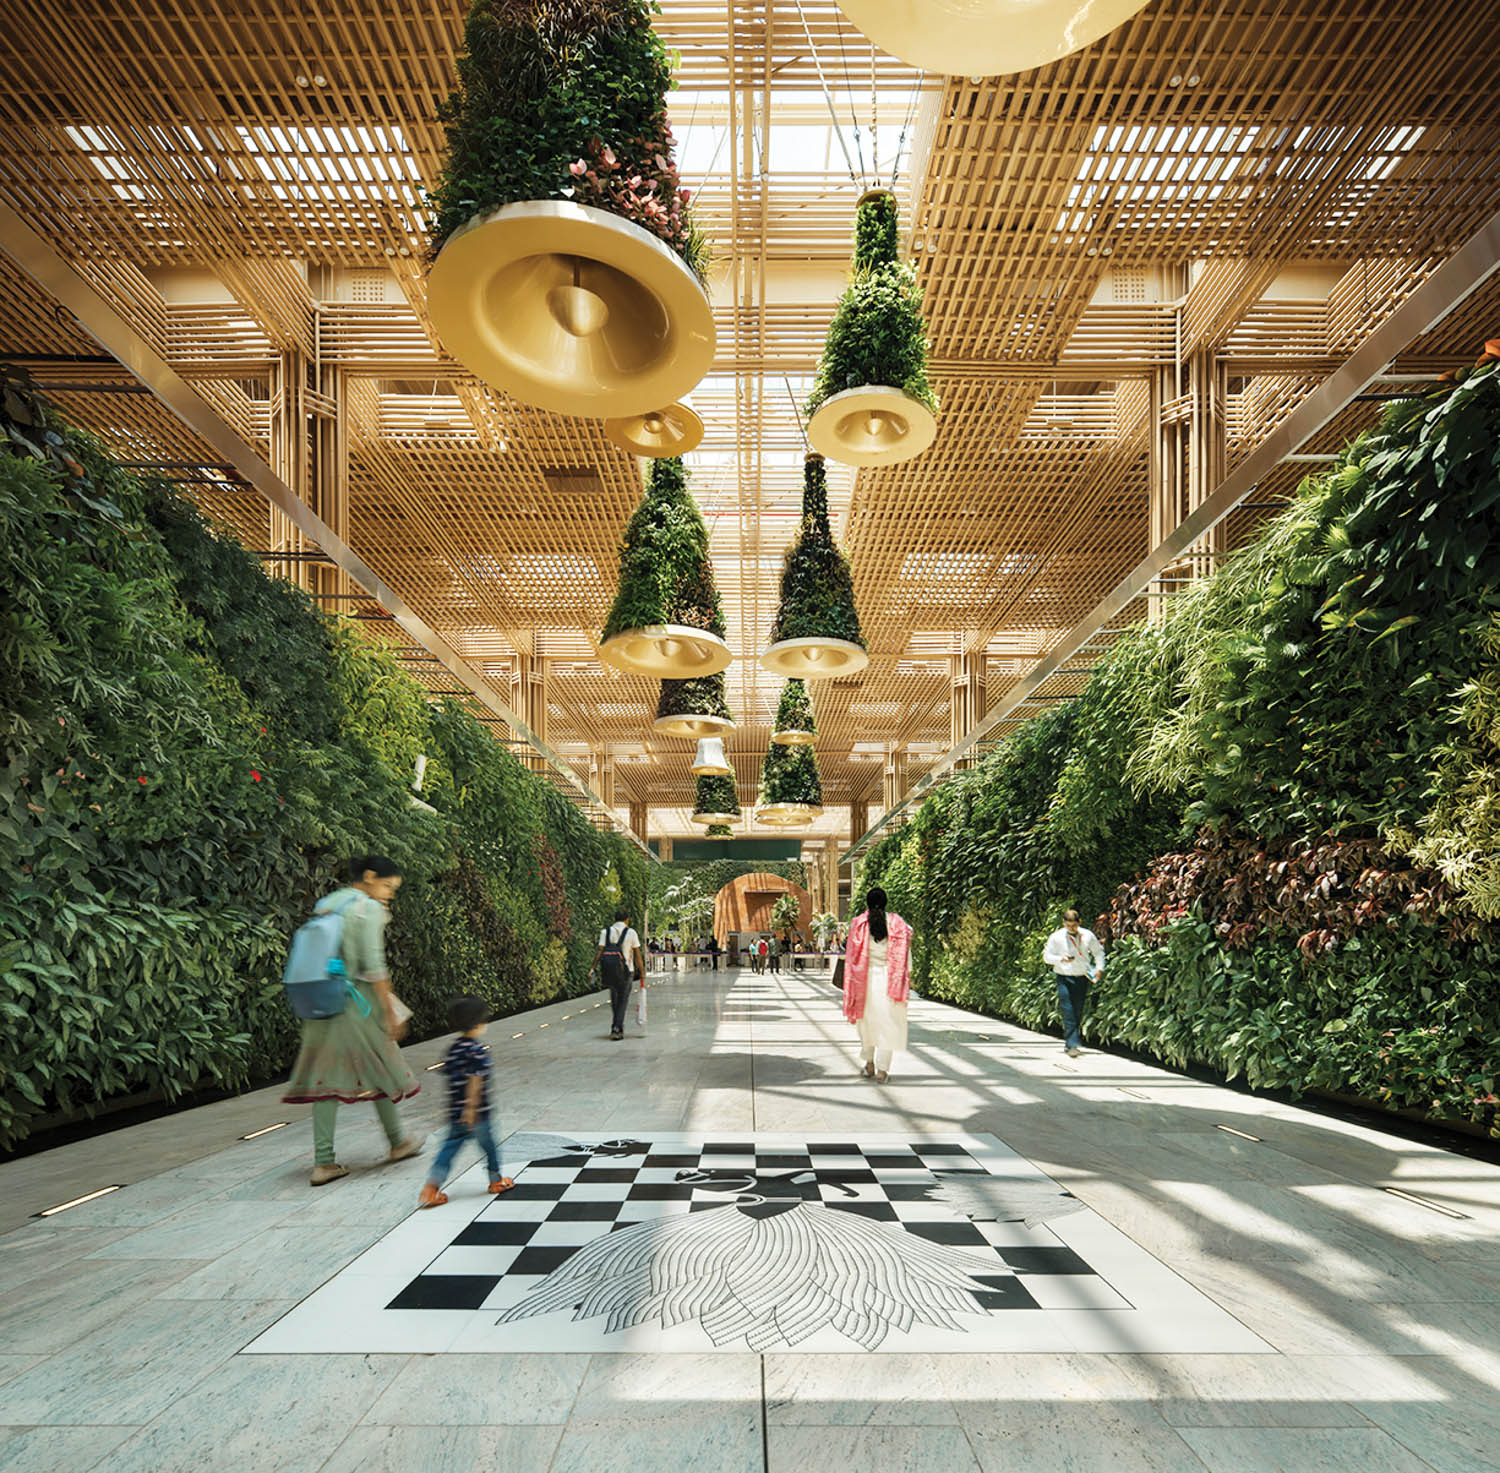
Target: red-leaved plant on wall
x=1323, y=892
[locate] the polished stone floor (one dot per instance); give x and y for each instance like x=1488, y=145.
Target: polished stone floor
x=1233, y=1285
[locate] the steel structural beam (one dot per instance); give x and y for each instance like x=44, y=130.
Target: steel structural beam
x=40, y=261
x=1462, y=274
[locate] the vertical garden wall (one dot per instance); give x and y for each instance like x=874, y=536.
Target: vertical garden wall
x=188, y=748
x=1283, y=800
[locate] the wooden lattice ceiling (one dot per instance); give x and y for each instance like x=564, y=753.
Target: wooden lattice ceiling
x=1263, y=180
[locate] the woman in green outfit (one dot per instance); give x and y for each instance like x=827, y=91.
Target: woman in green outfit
x=353, y=1056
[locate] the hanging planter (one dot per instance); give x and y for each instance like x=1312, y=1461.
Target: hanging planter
x=693, y=708
x=710, y=759
x=795, y=726
x=659, y=433
x=567, y=269
x=717, y=802
x=985, y=38
x=791, y=793
x=816, y=634
x=719, y=831
x=871, y=403
x=667, y=620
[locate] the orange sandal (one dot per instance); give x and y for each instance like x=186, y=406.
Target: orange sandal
x=431, y=1197
x=501, y=1184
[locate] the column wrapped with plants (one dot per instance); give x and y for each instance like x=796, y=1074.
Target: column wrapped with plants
x=816, y=634
x=791, y=792
x=795, y=725
x=560, y=196
x=667, y=619
x=716, y=800
x=871, y=402
x=693, y=708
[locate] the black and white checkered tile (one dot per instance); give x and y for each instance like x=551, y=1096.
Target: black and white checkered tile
x=758, y=1242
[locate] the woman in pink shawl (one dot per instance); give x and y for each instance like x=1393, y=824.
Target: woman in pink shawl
x=877, y=982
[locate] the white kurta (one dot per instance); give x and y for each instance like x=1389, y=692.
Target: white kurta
x=883, y=1025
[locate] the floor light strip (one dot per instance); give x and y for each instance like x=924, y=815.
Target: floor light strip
x=521, y=1034
x=1243, y=1135
x=1423, y=1202
x=79, y=1201
x=431, y=1067
x=266, y=1130
x=1134, y=1092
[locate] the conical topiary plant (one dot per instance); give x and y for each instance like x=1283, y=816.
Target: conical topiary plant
x=567, y=267
x=667, y=619
x=716, y=800
x=719, y=831
x=795, y=726
x=816, y=634
x=693, y=708
x=871, y=402
x=790, y=790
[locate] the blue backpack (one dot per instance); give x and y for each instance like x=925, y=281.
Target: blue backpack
x=316, y=984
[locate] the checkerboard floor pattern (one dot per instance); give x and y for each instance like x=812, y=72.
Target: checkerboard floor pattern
x=561, y=1203
x=938, y=1244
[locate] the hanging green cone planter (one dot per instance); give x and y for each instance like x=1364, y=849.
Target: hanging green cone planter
x=717, y=802
x=667, y=620
x=693, y=708
x=791, y=793
x=816, y=634
x=719, y=831
x=871, y=403
x=567, y=270
x=795, y=726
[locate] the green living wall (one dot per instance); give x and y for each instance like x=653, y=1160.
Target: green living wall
x=1282, y=801
x=189, y=750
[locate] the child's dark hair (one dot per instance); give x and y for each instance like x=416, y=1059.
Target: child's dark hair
x=465, y=1013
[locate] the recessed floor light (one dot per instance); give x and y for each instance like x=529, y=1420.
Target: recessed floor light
x=1134, y=1092
x=79, y=1201
x=1243, y=1135
x=431, y=1067
x=1423, y=1202
x=266, y=1130
x=521, y=1034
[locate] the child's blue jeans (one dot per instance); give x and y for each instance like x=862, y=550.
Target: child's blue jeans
x=457, y=1135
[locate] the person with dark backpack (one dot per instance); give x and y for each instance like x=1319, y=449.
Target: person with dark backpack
x=617, y=959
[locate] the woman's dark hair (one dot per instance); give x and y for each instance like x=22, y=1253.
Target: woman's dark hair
x=383, y=868
x=875, y=905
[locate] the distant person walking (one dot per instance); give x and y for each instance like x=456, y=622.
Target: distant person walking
x=1075, y=955
x=877, y=983
x=775, y=953
x=352, y=1056
x=467, y=1065
x=617, y=959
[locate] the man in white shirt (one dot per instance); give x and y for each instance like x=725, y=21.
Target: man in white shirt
x=1075, y=955
x=619, y=951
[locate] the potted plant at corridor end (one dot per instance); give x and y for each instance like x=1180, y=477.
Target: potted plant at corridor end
x=567, y=267
x=667, y=619
x=693, y=708
x=716, y=802
x=791, y=792
x=871, y=402
x=816, y=634
x=795, y=725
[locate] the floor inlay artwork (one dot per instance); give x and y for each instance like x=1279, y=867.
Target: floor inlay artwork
x=758, y=1242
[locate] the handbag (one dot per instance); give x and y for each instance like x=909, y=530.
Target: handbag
x=640, y=1006
x=838, y=974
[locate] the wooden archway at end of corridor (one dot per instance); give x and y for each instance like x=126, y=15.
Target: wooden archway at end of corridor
x=745, y=905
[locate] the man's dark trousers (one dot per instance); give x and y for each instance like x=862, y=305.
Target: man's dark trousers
x=1072, y=994
x=619, y=997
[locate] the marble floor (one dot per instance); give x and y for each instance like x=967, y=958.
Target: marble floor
x=1177, y=1276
